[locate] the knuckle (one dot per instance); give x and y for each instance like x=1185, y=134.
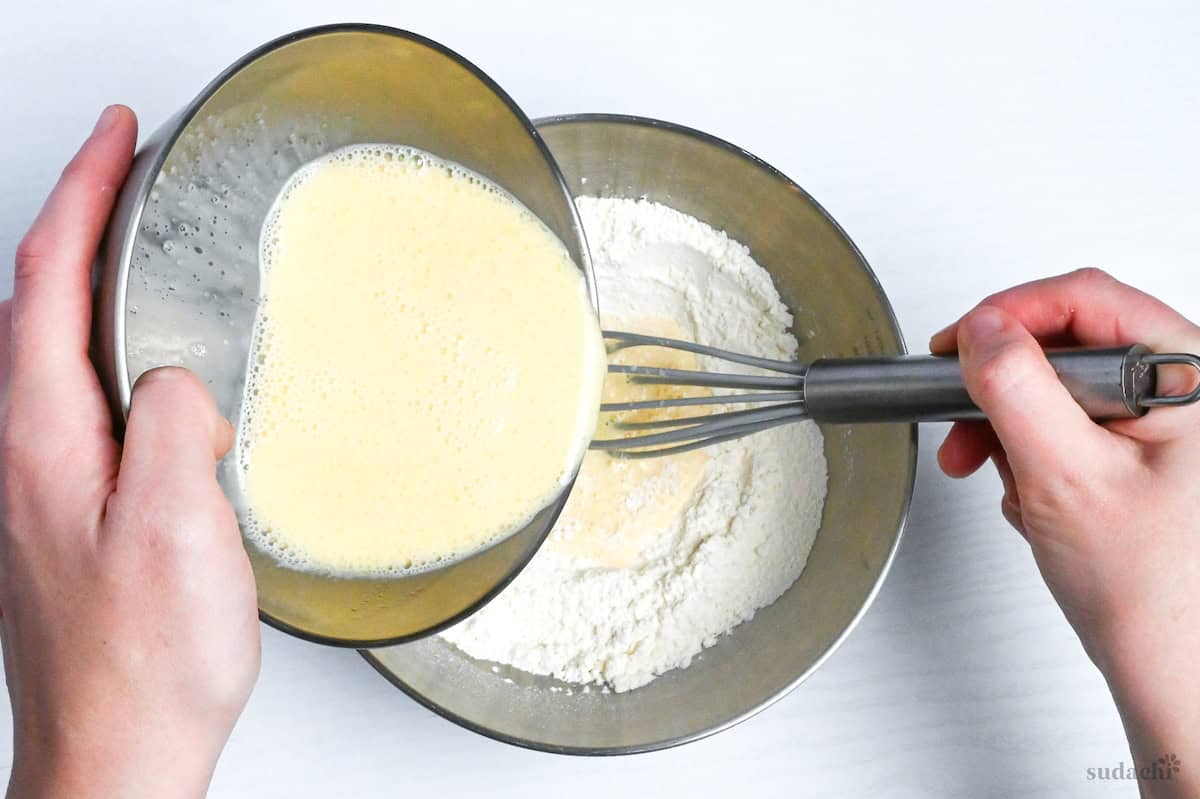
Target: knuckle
x=175, y=526
x=1091, y=275
x=1011, y=510
x=169, y=378
x=31, y=251
x=1004, y=371
x=1075, y=490
x=172, y=384
x=1063, y=492
x=76, y=169
x=997, y=299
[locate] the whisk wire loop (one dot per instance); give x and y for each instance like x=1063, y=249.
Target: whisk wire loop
x=782, y=392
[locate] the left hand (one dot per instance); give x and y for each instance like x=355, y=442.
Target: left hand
x=129, y=618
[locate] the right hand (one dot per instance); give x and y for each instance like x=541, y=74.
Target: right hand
x=1111, y=512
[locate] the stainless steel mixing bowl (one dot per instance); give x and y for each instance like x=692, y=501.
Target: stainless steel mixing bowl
x=179, y=282
x=839, y=310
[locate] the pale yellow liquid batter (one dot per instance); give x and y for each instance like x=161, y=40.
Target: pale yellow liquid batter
x=426, y=369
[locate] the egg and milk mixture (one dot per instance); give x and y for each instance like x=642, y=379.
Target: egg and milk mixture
x=426, y=366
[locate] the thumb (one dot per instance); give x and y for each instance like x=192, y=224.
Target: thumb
x=1045, y=433
x=174, y=435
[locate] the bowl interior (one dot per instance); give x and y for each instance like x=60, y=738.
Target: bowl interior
x=201, y=189
x=839, y=310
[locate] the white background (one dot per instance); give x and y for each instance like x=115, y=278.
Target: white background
x=964, y=146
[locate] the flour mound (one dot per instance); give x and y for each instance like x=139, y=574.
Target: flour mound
x=736, y=543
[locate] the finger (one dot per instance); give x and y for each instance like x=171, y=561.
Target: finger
x=5, y=341
x=1012, y=514
x=1010, y=503
x=1043, y=430
x=1088, y=307
x=967, y=446
x=51, y=282
x=173, y=439
x=1004, y=469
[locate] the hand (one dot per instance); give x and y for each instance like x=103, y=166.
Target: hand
x=129, y=620
x=1112, y=512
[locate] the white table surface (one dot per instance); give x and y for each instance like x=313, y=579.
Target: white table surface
x=963, y=148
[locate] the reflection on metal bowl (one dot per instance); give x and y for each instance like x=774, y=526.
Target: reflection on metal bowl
x=840, y=310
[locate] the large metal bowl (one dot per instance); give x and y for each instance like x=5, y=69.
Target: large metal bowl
x=180, y=278
x=839, y=310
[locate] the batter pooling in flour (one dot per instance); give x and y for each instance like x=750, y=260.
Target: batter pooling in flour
x=653, y=560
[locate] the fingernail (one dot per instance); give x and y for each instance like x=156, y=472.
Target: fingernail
x=107, y=119
x=984, y=321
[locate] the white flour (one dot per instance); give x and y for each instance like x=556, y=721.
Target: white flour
x=627, y=590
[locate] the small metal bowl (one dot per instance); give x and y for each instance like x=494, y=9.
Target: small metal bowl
x=839, y=310
x=179, y=283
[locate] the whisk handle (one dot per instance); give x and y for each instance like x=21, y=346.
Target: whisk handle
x=1109, y=383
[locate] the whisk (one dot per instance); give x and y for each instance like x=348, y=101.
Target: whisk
x=1108, y=383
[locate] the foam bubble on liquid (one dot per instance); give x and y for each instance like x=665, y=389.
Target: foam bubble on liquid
x=195, y=243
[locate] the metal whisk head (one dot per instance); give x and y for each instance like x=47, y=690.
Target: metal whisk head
x=1108, y=383
x=781, y=393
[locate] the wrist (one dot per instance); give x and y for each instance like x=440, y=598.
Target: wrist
x=1150, y=670
x=71, y=762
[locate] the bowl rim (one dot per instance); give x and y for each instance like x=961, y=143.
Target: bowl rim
x=868, y=601
x=170, y=133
